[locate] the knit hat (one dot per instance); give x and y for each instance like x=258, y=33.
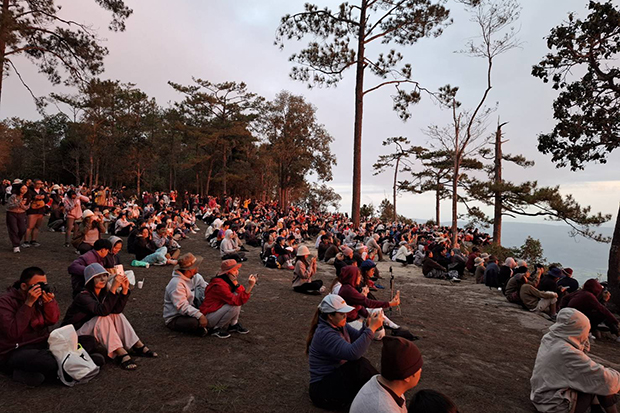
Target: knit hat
x=400, y=358
x=93, y=270
x=568, y=272
x=228, y=265
x=555, y=272
x=346, y=251
x=303, y=250
x=367, y=265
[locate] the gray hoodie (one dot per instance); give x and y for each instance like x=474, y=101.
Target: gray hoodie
x=180, y=294
x=562, y=367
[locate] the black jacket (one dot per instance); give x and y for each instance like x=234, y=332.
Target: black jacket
x=87, y=305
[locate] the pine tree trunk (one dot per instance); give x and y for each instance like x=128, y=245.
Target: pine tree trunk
x=4, y=18
x=613, y=270
x=394, y=187
x=498, y=207
x=359, y=113
x=138, y=178
x=437, y=202
x=224, y=161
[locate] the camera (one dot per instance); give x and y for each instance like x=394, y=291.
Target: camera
x=45, y=287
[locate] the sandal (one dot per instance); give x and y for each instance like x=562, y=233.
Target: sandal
x=144, y=351
x=128, y=364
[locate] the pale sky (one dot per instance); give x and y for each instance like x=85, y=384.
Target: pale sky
x=233, y=40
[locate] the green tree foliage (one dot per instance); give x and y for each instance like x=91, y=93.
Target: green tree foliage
x=217, y=118
x=587, y=109
x=320, y=198
x=345, y=37
x=297, y=143
x=399, y=160
x=34, y=29
x=367, y=211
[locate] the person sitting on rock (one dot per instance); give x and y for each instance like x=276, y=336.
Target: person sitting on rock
x=183, y=296
x=335, y=352
x=564, y=378
x=224, y=297
x=425, y=401
x=538, y=301
x=401, y=368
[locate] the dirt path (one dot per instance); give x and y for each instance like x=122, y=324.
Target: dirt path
x=477, y=348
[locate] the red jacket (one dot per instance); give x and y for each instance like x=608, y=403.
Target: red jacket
x=218, y=293
x=21, y=325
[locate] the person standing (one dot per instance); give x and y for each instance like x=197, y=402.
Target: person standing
x=38, y=199
x=73, y=208
x=16, y=215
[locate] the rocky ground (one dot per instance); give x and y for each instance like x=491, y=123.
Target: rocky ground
x=477, y=348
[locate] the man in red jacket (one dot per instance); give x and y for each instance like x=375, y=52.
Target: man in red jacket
x=27, y=310
x=224, y=297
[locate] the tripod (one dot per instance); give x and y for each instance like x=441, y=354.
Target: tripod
x=392, y=290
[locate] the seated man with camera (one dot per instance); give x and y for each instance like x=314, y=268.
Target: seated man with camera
x=27, y=311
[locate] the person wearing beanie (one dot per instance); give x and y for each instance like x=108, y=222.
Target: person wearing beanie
x=586, y=301
x=98, y=311
x=335, y=352
x=568, y=281
x=305, y=268
x=100, y=250
x=401, y=368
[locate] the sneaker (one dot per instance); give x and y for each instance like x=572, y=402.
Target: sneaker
x=30, y=379
x=219, y=333
x=173, y=262
x=323, y=289
x=35, y=244
x=25, y=245
x=16, y=250
x=238, y=328
x=66, y=244
x=98, y=359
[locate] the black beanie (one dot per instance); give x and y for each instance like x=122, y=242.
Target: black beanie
x=400, y=358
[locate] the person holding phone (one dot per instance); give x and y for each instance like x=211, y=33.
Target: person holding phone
x=224, y=297
x=98, y=311
x=27, y=311
x=335, y=352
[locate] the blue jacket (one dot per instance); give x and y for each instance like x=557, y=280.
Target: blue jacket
x=331, y=347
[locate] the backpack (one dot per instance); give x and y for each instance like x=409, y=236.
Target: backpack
x=271, y=262
x=74, y=364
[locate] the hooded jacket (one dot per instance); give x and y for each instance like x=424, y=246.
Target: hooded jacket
x=180, y=294
x=218, y=293
x=227, y=246
x=562, y=367
x=20, y=324
x=354, y=298
x=76, y=269
x=586, y=302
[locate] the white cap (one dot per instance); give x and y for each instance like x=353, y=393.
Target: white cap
x=87, y=213
x=333, y=303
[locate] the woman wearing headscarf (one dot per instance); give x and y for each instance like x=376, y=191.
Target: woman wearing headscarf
x=335, y=352
x=229, y=249
x=565, y=379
